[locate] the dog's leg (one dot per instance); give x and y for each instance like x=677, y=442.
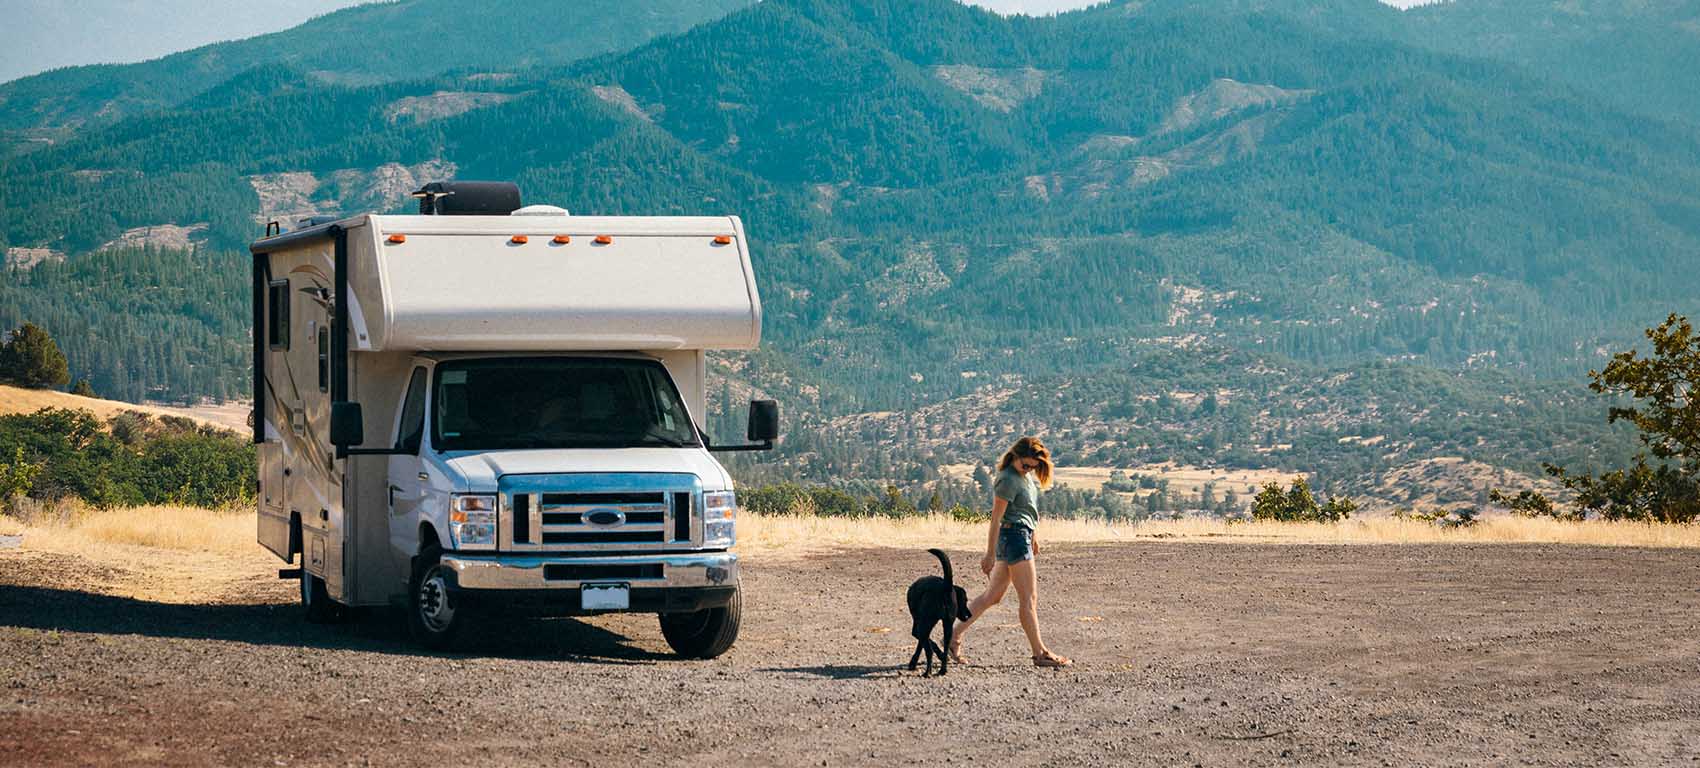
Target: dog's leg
x=934, y=650
x=944, y=653
x=920, y=645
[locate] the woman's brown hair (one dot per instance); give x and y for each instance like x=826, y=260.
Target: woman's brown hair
x=1030, y=448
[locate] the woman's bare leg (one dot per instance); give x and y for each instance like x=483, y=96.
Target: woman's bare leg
x=978, y=606
x=1026, y=580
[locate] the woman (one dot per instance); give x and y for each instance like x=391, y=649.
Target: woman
x=1011, y=545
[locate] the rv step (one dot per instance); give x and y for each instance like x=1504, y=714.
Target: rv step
x=289, y=573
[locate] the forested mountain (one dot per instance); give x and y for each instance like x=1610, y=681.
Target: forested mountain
x=1639, y=55
x=366, y=44
x=947, y=203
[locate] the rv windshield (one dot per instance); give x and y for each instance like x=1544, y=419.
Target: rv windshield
x=562, y=402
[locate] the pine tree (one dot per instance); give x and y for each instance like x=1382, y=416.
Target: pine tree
x=31, y=359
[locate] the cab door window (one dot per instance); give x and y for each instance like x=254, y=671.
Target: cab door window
x=412, y=427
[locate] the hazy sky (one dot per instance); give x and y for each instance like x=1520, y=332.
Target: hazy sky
x=42, y=34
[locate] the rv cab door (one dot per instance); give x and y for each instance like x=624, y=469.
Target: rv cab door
x=407, y=479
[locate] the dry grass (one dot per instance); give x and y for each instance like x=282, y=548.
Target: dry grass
x=231, y=532
x=231, y=416
x=188, y=529
x=180, y=554
x=1182, y=478
x=802, y=535
x=163, y=554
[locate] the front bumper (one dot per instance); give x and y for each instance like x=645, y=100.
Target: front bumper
x=647, y=572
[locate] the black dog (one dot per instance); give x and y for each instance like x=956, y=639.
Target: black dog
x=933, y=600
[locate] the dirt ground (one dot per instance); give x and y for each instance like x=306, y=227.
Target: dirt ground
x=1188, y=654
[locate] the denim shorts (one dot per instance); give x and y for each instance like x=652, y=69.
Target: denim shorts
x=1015, y=543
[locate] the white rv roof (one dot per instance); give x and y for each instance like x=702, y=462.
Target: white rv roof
x=550, y=283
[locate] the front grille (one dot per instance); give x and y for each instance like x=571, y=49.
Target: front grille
x=681, y=517
x=571, y=572
x=601, y=499
x=521, y=516
x=603, y=537
x=628, y=512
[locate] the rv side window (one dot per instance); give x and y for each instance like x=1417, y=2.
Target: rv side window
x=277, y=319
x=324, y=359
x=412, y=414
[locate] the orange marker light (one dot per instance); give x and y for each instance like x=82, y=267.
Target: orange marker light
x=603, y=239
x=519, y=239
x=723, y=240
x=398, y=238
x=563, y=239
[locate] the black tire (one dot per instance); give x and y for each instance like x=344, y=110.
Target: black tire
x=316, y=602
x=707, y=633
x=435, y=616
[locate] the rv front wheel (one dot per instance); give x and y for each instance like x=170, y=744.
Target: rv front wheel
x=707, y=633
x=434, y=616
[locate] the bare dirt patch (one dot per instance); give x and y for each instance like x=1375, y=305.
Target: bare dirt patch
x=1209, y=654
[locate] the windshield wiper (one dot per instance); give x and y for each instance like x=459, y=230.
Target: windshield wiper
x=664, y=440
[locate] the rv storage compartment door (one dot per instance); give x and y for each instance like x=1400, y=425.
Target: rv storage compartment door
x=274, y=515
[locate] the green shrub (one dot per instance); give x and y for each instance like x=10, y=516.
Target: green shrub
x=129, y=460
x=1298, y=505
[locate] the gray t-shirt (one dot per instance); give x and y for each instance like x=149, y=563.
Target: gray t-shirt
x=1023, y=497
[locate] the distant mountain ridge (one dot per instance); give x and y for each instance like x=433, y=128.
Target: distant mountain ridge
x=361, y=45
x=946, y=202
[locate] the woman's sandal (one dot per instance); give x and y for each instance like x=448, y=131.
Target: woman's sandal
x=1052, y=661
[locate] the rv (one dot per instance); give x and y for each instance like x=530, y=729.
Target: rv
x=489, y=405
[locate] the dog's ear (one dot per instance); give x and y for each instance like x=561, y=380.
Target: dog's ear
x=962, y=611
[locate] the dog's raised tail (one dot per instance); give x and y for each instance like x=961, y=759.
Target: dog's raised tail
x=944, y=560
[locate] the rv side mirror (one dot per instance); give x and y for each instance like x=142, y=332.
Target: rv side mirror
x=764, y=421
x=348, y=428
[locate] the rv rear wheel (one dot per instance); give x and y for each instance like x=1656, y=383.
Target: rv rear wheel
x=707, y=633
x=316, y=601
x=435, y=617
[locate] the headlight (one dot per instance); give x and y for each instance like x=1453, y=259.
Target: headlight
x=719, y=510
x=472, y=522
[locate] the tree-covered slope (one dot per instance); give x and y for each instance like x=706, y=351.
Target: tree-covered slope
x=1641, y=55
x=943, y=201
x=366, y=44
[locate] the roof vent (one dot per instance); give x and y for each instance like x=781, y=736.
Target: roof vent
x=542, y=210
x=468, y=198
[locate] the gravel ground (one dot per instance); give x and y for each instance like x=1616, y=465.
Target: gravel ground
x=1187, y=654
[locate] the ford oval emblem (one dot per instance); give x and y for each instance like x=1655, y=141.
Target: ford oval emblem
x=605, y=518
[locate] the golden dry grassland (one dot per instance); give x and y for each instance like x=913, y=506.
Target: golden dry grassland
x=231, y=416
x=181, y=554
x=162, y=554
x=1181, y=477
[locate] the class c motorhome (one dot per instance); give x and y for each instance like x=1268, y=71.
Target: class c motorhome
x=486, y=404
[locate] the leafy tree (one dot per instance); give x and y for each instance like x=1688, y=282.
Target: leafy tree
x=31, y=359
x=1667, y=414
x=1298, y=505
x=83, y=389
x=1529, y=503
x=1663, y=483
x=1337, y=509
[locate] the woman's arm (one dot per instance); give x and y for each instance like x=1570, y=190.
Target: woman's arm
x=998, y=507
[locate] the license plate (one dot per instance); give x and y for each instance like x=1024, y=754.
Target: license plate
x=605, y=597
